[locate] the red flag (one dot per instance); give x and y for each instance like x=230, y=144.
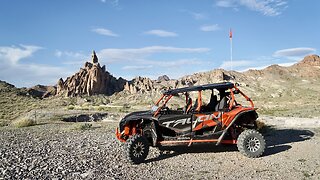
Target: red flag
x=230, y=34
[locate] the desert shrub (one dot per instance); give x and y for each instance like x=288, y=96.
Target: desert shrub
x=100, y=108
x=2, y=123
x=103, y=108
x=126, y=106
x=70, y=107
x=81, y=126
x=263, y=128
x=23, y=122
x=260, y=125
x=84, y=108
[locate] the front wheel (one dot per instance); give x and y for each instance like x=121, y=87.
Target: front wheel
x=251, y=143
x=137, y=149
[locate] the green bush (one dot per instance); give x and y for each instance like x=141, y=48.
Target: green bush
x=23, y=122
x=70, y=107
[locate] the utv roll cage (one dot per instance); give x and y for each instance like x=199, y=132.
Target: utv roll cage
x=221, y=87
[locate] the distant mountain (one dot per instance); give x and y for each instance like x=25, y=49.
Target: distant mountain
x=94, y=79
x=276, y=90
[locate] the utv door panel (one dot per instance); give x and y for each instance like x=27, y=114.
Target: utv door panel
x=176, y=122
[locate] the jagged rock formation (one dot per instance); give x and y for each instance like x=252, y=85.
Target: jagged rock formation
x=139, y=84
x=163, y=78
x=90, y=80
x=143, y=84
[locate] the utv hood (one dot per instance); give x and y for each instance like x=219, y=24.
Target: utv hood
x=134, y=116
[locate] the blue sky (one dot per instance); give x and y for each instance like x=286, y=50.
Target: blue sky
x=42, y=40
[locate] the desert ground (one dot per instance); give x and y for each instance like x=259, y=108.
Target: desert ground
x=60, y=150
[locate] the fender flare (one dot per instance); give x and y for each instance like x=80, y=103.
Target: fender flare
x=153, y=130
x=234, y=120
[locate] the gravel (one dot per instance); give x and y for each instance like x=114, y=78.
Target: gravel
x=53, y=151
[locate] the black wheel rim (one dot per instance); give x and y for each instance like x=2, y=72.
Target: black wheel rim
x=253, y=144
x=138, y=149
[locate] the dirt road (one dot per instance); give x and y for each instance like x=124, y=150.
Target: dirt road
x=52, y=151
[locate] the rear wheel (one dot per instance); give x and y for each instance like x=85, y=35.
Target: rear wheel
x=251, y=143
x=137, y=149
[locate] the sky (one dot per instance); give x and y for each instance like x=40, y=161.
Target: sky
x=43, y=40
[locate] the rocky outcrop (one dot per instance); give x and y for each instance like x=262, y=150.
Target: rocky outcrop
x=143, y=84
x=311, y=60
x=163, y=78
x=139, y=84
x=218, y=75
x=91, y=79
x=42, y=91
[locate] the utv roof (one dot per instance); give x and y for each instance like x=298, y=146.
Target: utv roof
x=219, y=86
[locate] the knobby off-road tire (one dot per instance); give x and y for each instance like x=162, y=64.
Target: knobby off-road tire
x=251, y=143
x=137, y=149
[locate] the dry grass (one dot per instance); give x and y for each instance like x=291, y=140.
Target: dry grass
x=81, y=126
x=3, y=123
x=23, y=122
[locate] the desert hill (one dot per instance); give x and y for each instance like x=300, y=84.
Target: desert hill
x=276, y=90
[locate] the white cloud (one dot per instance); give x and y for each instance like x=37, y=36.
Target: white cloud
x=266, y=7
x=172, y=63
x=294, y=52
x=161, y=33
x=105, y=32
x=139, y=61
x=207, y=28
x=114, y=3
x=14, y=54
x=195, y=15
x=198, y=16
x=235, y=64
x=26, y=74
x=287, y=64
x=225, y=3
x=254, y=68
x=137, y=67
x=70, y=54
x=134, y=54
x=58, y=53
x=154, y=68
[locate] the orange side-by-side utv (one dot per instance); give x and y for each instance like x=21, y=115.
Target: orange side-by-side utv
x=222, y=120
